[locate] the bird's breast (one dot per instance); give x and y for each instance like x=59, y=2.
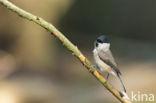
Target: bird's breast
x=102, y=66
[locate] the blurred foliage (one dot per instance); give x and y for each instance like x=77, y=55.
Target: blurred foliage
x=128, y=19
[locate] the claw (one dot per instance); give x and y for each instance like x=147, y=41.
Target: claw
x=95, y=67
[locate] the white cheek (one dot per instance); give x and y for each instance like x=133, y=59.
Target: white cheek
x=104, y=46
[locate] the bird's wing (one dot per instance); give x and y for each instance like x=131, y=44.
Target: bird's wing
x=109, y=60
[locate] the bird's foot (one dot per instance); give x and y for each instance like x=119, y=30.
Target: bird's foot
x=94, y=68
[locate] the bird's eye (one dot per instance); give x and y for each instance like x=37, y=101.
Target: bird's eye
x=100, y=41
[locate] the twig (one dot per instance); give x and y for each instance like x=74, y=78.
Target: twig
x=22, y=13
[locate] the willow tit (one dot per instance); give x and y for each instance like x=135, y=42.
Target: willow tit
x=104, y=59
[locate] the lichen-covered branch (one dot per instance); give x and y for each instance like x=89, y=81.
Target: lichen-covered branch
x=22, y=13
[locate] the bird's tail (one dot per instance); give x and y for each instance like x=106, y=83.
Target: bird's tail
x=121, y=83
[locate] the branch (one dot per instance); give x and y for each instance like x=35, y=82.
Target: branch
x=75, y=51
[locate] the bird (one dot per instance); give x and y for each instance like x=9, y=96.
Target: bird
x=104, y=59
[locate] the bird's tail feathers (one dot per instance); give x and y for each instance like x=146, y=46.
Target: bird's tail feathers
x=121, y=83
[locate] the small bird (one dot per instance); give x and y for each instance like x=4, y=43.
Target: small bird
x=104, y=59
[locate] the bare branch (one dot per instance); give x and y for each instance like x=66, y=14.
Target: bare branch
x=22, y=13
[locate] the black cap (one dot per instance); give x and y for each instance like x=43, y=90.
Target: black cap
x=103, y=39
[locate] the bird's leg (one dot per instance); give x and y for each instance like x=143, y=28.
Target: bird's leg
x=107, y=77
